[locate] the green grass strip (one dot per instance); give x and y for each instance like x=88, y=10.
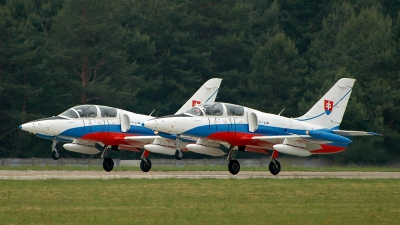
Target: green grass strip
x=202, y=201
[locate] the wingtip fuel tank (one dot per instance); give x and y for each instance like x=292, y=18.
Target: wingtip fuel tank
x=291, y=150
x=81, y=148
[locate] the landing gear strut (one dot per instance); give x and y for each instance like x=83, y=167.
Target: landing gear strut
x=234, y=165
x=178, y=152
x=274, y=165
x=108, y=163
x=145, y=163
x=54, y=152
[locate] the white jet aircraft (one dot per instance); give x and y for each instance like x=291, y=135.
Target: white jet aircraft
x=246, y=129
x=95, y=128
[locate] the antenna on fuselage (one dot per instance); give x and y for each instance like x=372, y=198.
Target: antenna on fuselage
x=281, y=112
x=152, y=112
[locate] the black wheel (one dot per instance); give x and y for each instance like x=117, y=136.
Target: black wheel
x=273, y=169
x=145, y=167
x=108, y=164
x=55, y=155
x=178, y=155
x=234, y=167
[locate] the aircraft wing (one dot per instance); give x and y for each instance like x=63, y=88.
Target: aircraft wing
x=304, y=141
x=314, y=141
x=355, y=133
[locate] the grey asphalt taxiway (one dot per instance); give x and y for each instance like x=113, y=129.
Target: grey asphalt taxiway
x=60, y=174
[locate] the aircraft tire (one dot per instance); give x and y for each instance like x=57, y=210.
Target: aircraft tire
x=234, y=167
x=108, y=164
x=55, y=155
x=145, y=167
x=178, y=156
x=273, y=169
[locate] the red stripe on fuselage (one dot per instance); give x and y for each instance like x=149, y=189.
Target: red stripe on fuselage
x=236, y=139
x=109, y=138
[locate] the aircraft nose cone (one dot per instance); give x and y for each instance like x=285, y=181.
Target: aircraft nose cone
x=150, y=124
x=27, y=127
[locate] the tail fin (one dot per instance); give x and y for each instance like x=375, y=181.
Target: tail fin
x=206, y=94
x=328, y=111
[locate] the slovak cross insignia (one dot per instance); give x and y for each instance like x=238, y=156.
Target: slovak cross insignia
x=195, y=102
x=328, y=106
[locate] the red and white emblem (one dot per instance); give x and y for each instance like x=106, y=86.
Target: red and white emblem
x=328, y=106
x=195, y=102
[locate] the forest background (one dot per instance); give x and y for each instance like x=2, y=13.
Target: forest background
x=141, y=55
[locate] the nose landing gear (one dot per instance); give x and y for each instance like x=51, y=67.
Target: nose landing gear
x=178, y=152
x=54, y=152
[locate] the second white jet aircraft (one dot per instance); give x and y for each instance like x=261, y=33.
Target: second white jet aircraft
x=316, y=132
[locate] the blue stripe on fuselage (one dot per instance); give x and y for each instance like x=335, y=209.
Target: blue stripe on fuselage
x=207, y=130
x=78, y=132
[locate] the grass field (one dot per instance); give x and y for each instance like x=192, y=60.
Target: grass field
x=202, y=201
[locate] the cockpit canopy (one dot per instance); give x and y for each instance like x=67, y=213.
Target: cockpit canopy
x=216, y=109
x=90, y=111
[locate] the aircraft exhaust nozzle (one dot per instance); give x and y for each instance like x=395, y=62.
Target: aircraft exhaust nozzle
x=205, y=150
x=160, y=149
x=81, y=148
x=287, y=149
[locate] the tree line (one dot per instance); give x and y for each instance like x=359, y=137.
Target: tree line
x=141, y=55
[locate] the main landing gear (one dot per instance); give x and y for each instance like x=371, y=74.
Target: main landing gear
x=145, y=163
x=108, y=163
x=234, y=165
x=54, y=152
x=274, y=165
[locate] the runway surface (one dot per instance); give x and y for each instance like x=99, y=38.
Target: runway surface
x=64, y=175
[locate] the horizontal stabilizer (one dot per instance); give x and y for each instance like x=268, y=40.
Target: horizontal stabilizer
x=354, y=133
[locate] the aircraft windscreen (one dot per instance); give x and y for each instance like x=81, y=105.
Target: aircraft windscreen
x=195, y=111
x=217, y=109
x=70, y=113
